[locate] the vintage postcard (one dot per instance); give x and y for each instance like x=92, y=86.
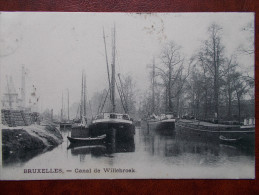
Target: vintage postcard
x=127, y=95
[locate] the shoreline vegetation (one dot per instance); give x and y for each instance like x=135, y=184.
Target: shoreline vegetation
x=20, y=144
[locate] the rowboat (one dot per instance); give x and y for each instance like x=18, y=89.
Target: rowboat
x=229, y=140
x=88, y=140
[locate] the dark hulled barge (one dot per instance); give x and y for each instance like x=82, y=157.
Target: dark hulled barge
x=117, y=125
x=165, y=123
x=230, y=134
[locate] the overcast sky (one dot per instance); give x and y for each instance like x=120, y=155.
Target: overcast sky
x=56, y=47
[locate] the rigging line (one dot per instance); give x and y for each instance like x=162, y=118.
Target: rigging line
x=107, y=62
x=117, y=60
x=105, y=100
x=121, y=97
x=90, y=108
x=100, y=103
x=77, y=111
x=113, y=72
x=119, y=92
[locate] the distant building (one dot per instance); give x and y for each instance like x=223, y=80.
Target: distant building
x=10, y=99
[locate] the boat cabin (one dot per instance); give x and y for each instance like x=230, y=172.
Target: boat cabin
x=166, y=116
x=112, y=116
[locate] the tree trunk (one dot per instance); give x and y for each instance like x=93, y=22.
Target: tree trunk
x=169, y=89
x=206, y=104
x=178, y=104
x=216, y=91
x=229, y=105
x=166, y=99
x=239, y=108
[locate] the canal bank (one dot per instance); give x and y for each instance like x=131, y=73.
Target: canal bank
x=24, y=142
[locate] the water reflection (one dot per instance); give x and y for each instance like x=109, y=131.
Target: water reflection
x=22, y=157
x=165, y=150
x=106, y=149
x=168, y=145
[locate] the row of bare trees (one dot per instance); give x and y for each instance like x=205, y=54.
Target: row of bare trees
x=208, y=85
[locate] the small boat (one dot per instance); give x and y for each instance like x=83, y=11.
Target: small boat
x=229, y=140
x=88, y=140
x=80, y=128
x=242, y=136
x=85, y=147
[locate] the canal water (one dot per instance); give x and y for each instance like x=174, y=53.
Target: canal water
x=150, y=155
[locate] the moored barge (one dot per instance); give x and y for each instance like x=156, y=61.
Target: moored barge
x=165, y=123
x=112, y=124
x=216, y=132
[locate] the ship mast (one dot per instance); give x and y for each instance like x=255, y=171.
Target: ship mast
x=153, y=87
x=113, y=72
x=67, y=104
x=62, y=108
x=107, y=63
x=81, y=103
x=84, y=94
x=23, y=88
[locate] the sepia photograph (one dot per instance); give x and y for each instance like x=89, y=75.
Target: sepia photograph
x=127, y=95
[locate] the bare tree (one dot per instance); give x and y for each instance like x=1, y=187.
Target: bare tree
x=213, y=58
x=206, y=84
x=127, y=91
x=241, y=88
x=230, y=74
x=248, y=48
x=170, y=70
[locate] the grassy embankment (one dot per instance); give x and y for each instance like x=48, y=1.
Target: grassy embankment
x=22, y=143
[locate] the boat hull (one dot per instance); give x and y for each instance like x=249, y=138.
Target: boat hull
x=118, y=130
x=191, y=132
x=220, y=134
x=80, y=132
x=162, y=126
